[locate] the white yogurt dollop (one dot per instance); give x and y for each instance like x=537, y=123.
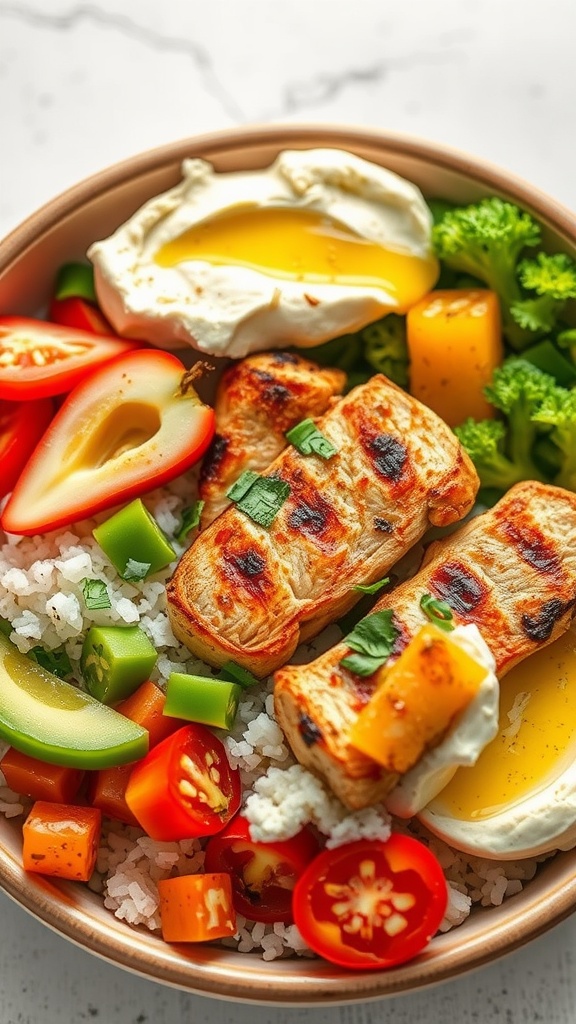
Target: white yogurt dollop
x=157, y=279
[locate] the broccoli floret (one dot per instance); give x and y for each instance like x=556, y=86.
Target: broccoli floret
x=486, y=240
x=553, y=278
x=558, y=412
x=386, y=349
x=503, y=451
x=484, y=441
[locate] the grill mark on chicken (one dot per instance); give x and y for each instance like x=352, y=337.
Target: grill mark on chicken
x=309, y=730
x=247, y=569
x=214, y=458
x=459, y=587
x=539, y=627
x=389, y=456
x=284, y=358
x=534, y=548
x=322, y=542
x=384, y=525
x=309, y=513
x=518, y=606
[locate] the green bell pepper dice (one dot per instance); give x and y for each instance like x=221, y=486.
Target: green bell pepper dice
x=202, y=699
x=50, y=719
x=134, y=542
x=115, y=660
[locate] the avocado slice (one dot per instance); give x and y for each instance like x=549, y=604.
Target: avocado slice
x=50, y=719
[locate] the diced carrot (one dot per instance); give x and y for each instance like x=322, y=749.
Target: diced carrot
x=106, y=791
x=196, y=908
x=61, y=840
x=108, y=786
x=455, y=344
x=416, y=700
x=145, y=707
x=31, y=777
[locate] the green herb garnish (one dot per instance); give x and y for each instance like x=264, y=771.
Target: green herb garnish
x=57, y=661
x=306, y=437
x=260, y=497
x=372, y=588
x=95, y=593
x=232, y=672
x=372, y=641
x=190, y=520
x=439, y=612
x=136, y=571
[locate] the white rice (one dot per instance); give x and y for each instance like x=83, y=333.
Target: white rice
x=41, y=595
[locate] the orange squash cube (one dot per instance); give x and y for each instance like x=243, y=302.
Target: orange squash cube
x=197, y=908
x=454, y=343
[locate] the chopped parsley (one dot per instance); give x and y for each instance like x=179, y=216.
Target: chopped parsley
x=372, y=588
x=135, y=571
x=95, y=594
x=190, y=520
x=306, y=437
x=372, y=641
x=259, y=497
x=439, y=612
x=57, y=661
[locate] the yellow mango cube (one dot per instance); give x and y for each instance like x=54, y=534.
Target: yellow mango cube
x=416, y=700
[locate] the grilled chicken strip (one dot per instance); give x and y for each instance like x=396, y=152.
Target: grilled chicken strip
x=512, y=571
x=251, y=594
x=257, y=401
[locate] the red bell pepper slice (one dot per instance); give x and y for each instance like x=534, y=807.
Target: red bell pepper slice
x=38, y=359
x=371, y=904
x=21, y=427
x=133, y=424
x=185, y=787
x=263, y=874
x=80, y=315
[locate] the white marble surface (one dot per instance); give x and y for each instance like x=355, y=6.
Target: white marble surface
x=85, y=84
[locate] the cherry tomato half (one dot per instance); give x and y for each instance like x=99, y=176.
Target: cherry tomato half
x=79, y=314
x=38, y=359
x=263, y=874
x=184, y=787
x=21, y=427
x=371, y=904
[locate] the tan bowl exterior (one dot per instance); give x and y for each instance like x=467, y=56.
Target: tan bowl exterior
x=61, y=231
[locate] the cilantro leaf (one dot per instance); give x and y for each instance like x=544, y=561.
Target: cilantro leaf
x=372, y=588
x=136, y=571
x=95, y=594
x=372, y=640
x=259, y=497
x=306, y=437
x=190, y=520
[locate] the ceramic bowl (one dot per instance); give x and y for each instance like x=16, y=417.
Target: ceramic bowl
x=61, y=231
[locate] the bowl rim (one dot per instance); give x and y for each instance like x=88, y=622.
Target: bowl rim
x=305, y=982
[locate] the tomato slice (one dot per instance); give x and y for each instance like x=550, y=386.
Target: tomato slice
x=38, y=359
x=79, y=314
x=184, y=787
x=21, y=427
x=371, y=904
x=263, y=874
